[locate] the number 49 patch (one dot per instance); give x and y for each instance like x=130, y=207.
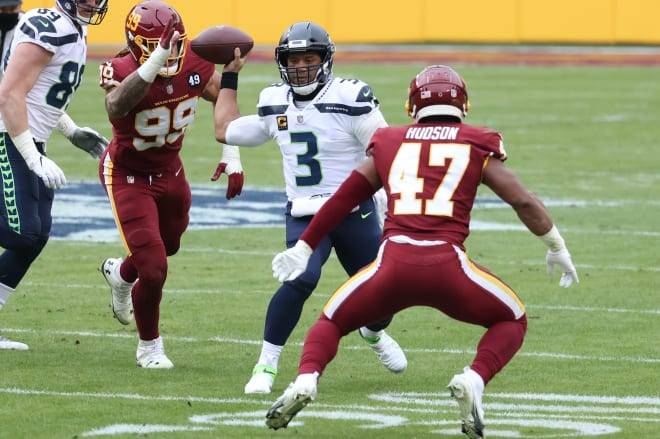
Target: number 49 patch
x=194, y=79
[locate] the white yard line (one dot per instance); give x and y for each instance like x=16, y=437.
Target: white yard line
x=221, y=340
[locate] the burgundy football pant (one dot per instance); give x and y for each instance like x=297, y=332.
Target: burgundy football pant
x=151, y=213
x=439, y=276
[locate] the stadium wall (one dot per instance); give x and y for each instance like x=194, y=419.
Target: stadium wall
x=415, y=21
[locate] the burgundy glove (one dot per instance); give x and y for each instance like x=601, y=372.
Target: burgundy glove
x=230, y=164
x=167, y=38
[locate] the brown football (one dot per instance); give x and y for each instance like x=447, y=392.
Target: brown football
x=216, y=44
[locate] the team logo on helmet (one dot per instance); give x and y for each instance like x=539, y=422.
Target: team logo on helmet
x=303, y=37
x=437, y=91
x=144, y=26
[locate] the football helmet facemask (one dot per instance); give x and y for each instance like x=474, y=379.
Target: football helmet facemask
x=95, y=8
x=437, y=91
x=144, y=26
x=303, y=37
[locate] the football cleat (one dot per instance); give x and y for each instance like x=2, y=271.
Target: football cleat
x=151, y=355
x=388, y=352
x=122, y=301
x=262, y=379
x=6, y=344
x=295, y=398
x=472, y=413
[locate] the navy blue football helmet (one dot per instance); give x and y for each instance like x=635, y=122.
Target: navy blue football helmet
x=303, y=37
x=95, y=8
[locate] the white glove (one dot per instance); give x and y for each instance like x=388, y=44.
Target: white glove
x=47, y=170
x=380, y=200
x=562, y=259
x=89, y=140
x=292, y=262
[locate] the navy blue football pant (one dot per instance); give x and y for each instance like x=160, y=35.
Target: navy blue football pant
x=355, y=240
x=25, y=214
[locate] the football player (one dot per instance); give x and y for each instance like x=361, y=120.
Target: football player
x=43, y=69
x=152, y=89
x=84, y=138
x=430, y=170
x=322, y=124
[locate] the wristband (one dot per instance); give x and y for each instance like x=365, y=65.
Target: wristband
x=553, y=240
x=230, y=152
x=66, y=125
x=229, y=80
x=304, y=247
x=156, y=61
x=24, y=143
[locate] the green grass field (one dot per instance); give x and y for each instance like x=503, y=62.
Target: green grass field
x=585, y=139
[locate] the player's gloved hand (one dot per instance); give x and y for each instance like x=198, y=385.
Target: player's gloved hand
x=562, y=259
x=169, y=37
x=230, y=163
x=89, y=140
x=292, y=262
x=380, y=200
x=47, y=171
x=159, y=56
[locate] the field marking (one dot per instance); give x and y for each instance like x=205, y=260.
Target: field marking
x=596, y=416
x=551, y=355
x=264, y=207
x=594, y=309
x=270, y=292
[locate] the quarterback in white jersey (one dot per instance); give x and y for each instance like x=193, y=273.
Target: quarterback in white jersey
x=322, y=125
x=321, y=140
x=44, y=67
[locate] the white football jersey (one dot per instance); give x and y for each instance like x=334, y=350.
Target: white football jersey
x=49, y=97
x=322, y=142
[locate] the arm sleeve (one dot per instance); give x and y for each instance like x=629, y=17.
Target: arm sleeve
x=247, y=131
x=368, y=126
x=352, y=192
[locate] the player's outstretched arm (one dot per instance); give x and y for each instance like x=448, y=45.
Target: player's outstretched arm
x=533, y=213
x=122, y=98
x=226, y=108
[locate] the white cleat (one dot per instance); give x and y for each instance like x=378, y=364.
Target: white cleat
x=151, y=355
x=472, y=413
x=388, y=352
x=295, y=398
x=262, y=380
x=122, y=300
x=6, y=344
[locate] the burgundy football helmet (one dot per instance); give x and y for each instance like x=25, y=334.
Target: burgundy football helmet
x=144, y=26
x=437, y=91
x=96, y=10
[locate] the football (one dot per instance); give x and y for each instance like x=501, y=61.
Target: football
x=216, y=44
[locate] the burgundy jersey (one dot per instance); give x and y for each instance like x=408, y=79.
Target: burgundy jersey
x=431, y=173
x=150, y=136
